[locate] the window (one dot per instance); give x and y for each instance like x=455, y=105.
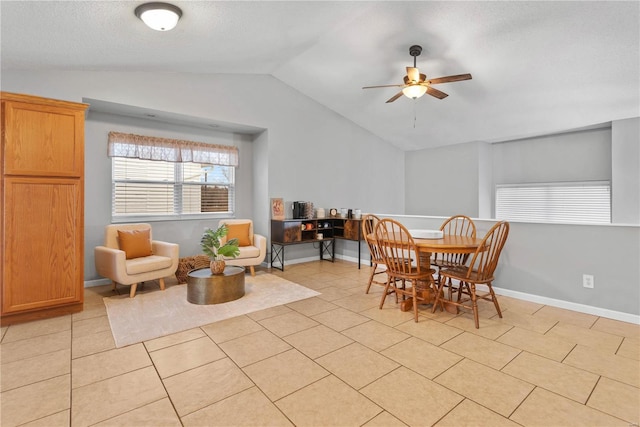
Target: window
x=151, y=187
x=574, y=202
x=143, y=188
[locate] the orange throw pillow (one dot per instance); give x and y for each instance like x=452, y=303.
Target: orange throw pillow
x=240, y=232
x=135, y=243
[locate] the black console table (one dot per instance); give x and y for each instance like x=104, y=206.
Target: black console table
x=298, y=231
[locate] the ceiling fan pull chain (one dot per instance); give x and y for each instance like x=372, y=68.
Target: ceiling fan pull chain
x=414, y=112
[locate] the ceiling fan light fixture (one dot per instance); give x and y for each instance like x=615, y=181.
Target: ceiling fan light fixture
x=159, y=16
x=414, y=91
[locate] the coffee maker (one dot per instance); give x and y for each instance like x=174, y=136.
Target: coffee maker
x=298, y=210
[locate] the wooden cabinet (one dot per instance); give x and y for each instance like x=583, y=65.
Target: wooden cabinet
x=42, y=161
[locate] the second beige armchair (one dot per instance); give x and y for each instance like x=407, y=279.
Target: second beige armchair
x=253, y=247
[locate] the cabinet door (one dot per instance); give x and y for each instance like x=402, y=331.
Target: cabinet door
x=351, y=229
x=292, y=231
x=285, y=231
x=43, y=140
x=43, y=234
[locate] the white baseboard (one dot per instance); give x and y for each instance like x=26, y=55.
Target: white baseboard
x=582, y=308
x=96, y=282
x=309, y=259
x=352, y=259
x=298, y=261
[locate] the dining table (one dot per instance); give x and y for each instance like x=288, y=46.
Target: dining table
x=447, y=243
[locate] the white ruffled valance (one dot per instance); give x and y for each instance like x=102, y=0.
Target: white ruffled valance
x=170, y=150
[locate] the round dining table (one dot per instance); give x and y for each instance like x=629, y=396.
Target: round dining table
x=448, y=243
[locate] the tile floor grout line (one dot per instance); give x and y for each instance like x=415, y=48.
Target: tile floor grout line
x=169, y=346
x=450, y=411
x=164, y=386
x=38, y=382
x=570, y=351
x=521, y=402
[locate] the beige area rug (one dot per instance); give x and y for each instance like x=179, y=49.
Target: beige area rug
x=156, y=314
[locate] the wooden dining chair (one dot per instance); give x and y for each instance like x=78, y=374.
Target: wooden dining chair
x=480, y=271
x=400, y=255
x=369, y=223
x=457, y=225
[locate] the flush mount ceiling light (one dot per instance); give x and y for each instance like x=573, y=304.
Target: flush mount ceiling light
x=159, y=16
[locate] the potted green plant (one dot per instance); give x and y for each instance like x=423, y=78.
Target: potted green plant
x=212, y=247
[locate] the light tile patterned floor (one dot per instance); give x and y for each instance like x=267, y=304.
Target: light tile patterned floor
x=332, y=360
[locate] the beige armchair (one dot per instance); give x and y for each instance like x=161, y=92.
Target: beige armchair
x=130, y=256
x=253, y=247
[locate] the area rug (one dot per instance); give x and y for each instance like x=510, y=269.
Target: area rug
x=156, y=314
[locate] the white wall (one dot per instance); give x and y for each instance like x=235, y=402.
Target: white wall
x=575, y=156
x=442, y=180
x=461, y=178
x=307, y=153
x=625, y=165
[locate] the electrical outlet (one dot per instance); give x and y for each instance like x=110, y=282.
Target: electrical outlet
x=587, y=281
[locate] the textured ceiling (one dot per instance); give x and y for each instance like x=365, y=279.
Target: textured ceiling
x=538, y=67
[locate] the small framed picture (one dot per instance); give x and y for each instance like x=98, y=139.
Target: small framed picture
x=277, y=208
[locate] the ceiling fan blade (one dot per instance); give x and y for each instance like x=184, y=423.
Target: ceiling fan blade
x=413, y=74
x=394, y=97
x=435, y=92
x=447, y=79
x=374, y=87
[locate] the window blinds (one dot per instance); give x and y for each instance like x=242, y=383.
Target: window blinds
x=166, y=177
x=575, y=202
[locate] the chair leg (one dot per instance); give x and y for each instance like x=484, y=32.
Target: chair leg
x=386, y=292
x=373, y=272
x=438, y=299
x=495, y=300
x=414, y=294
x=253, y=270
x=132, y=291
x=474, y=304
x=461, y=287
x=162, y=283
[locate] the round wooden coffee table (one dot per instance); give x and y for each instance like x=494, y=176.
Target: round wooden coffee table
x=203, y=287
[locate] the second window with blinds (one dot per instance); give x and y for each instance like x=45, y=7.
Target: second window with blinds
x=566, y=202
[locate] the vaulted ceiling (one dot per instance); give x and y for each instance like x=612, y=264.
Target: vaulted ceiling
x=538, y=67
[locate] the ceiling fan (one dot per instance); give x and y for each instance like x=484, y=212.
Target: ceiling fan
x=416, y=84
